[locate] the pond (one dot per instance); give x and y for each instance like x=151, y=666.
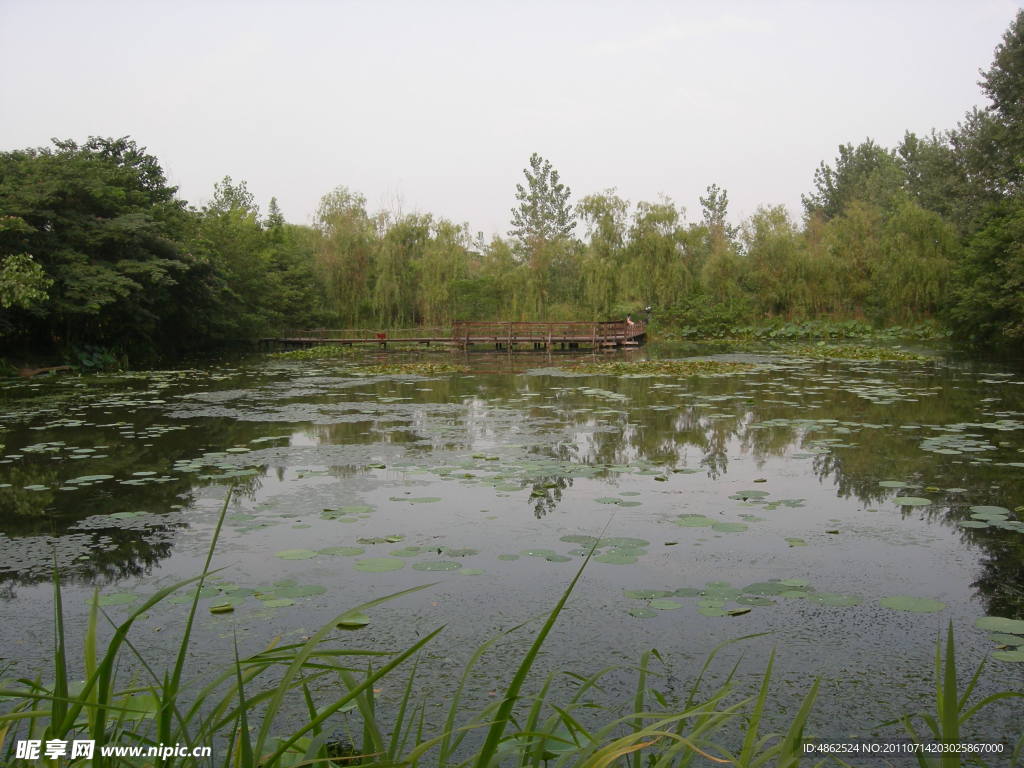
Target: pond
x=848, y=509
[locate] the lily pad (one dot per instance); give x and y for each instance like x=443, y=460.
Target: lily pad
x=353, y=620
x=1003, y=639
x=1015, y=656
x=279, y=602
x=912, y=604
x=912, y=501
x=342, y=551
x=999, y=624
x=647, y=594
x=379, y=564
x=295, y=554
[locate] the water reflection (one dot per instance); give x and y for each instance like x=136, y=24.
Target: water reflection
x=163, y=438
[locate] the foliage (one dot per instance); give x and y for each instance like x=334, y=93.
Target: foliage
x=543, y=213
x=852, y=352
x=418, y=369
x=678, y=368
x=23, y=283
x=927, y=230
x=320, y=352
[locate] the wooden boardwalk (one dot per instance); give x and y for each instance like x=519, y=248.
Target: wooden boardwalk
x=466, y=335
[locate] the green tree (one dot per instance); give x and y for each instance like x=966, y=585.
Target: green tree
x=867, y=173
x=103, y=224
x=604, y=256
x=987, y=305
x=543, y=212
x=346, y=255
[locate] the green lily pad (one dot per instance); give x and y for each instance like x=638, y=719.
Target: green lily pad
x=379, y=564
x=990, y=510
x=694, y=521
x=686, y=592
x=624, y=541
x=912, y=604
x=342, y=551
x=508, y=557
x=295, y=554
x=1015, y=656
x=353, y=620
x=999, y=624
x=539, y=552
x=222, y=608
x=1003, y=639
x=754, y=600
x=795, y=542
x=972, y=524
x=646, y=594
x=911, y=501
x=557, y=558
x=279, y=602
x=893, y=484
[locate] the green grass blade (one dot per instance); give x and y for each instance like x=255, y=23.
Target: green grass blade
x=400, y=717
x=750, y=740
x=949, y=714
x=245, y=752
x=164, y=734
x=60, y=668
x=504, y=713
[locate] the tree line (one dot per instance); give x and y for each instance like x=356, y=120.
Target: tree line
x=96, y=248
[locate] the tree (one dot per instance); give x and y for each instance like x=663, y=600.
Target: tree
x=544, y=212
x=604, y=257
x=867, y=173
x=989, y=279
x=103, y=224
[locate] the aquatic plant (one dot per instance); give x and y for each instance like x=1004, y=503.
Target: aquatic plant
x=851, y=352
x=662, y=367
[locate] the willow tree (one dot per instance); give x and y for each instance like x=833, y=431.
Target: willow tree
x=660, y=266
x=395, y=290
x=604, y=257
x=442, y=264
x=345, y=254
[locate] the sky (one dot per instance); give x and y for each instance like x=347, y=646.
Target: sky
x=435, y=107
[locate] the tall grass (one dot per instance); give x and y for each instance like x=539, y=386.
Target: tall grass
x=247, y=711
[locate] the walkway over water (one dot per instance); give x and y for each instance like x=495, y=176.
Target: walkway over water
x=467, y=334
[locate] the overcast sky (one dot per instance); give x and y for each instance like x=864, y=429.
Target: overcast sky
x=436, y=106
